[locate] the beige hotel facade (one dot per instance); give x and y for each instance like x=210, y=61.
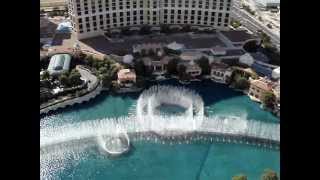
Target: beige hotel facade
x=91, y=18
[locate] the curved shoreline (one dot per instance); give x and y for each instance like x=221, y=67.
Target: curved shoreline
x=73, y=101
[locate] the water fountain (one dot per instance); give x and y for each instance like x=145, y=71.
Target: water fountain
x=151, y=123
x=114, y=143
x=151, y=118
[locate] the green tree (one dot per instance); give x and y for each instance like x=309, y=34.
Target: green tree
x=239, y=177
x=235, y=24
x=143, y=52
x=74, y=78
x=172, y=66
x=268, y=99
x=269, y=174
x=64, y=80
x=45, y=75
x=203, y=63
x=113, y=70
x=103, y=70
x=140, y=68
x=241, y=83
x=151, y=52
x=106, y=80
x=140, y=82
x=89, y=60
x=251, y=46
x=182, y=70
x=265, y=39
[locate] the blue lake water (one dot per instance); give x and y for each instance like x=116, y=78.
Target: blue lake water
x=147, y=160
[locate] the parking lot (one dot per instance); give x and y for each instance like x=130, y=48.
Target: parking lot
x=105, y=46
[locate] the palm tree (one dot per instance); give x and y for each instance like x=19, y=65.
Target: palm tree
x=45, y=75
x=269, y=174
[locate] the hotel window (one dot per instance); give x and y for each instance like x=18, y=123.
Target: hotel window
x=193, y=3
x=141, y=4
x=180, y=3
x=221, y=6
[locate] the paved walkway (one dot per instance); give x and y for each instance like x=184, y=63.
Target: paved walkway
x=88, y=76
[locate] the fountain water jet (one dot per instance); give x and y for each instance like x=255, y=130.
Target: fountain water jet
x=164, y=123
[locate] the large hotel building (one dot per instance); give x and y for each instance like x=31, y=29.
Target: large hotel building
x=93, y=17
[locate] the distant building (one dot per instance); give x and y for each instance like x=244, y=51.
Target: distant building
x=59, y=63
x=147, y=47
x=268, y=4
x=220, y=72
x=191, y=55
x=126, y=77
x=158, y=67
x=258, y=87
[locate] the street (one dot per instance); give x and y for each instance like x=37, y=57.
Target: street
x=252, y=23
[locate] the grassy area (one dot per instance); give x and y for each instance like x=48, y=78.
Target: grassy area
x=235, y=24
